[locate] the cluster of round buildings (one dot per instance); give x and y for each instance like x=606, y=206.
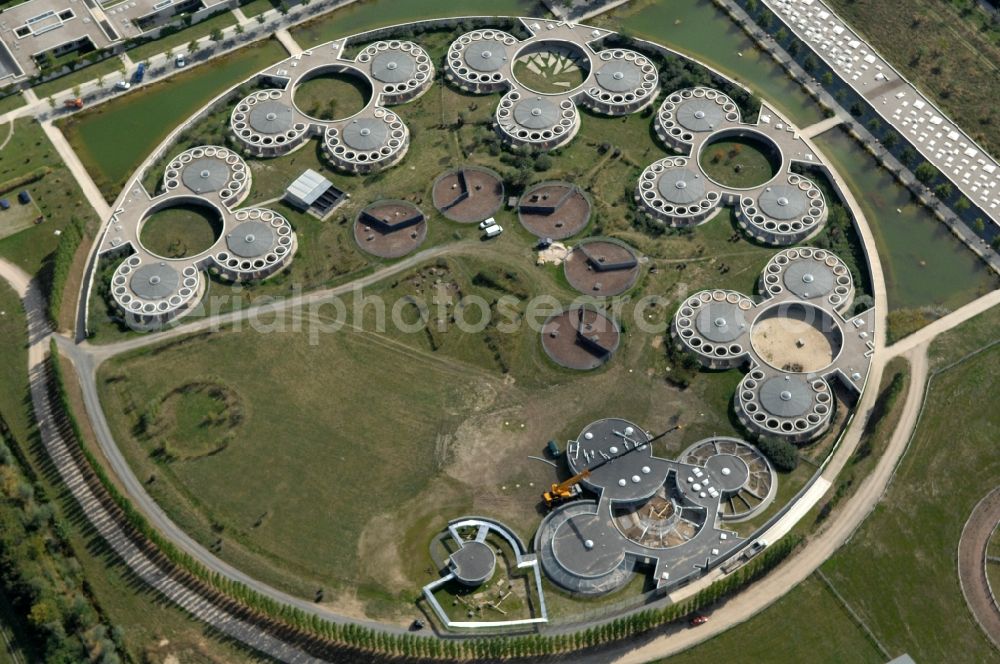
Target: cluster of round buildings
x=793, y=340
x=614, y=81
x=270, y=124
x=254, y=243
x=786, y=209
x=655, y=514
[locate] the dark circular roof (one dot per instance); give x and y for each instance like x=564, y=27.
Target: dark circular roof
x=485, y=55
x=205, y=174
x=536, y=113
x=588, y=545
x=681, y=186
x=783, y=202
x=730, y=471
x=619, y=75
x=786, y=396
x=250, y=239
x=700, y=114
x=271, y=117
x=474, y=562
x=721, y=322
x=393, y=66
x=365, y=134
x=155, y=281
x=808, y=278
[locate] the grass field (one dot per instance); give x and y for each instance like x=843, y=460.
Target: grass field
x=10, y=102
x=738, y=162
x=113, y=138
x=105, y=68
x=183, y=230
x=909, y=595
x=951, y=59
x=371, y=14
x=178, y=41
x=57, y=196
x=807, y=625
x=332, y=96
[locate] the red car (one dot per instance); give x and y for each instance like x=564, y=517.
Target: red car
x=699, y=620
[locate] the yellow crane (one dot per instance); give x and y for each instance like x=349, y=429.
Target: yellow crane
x=570, y=488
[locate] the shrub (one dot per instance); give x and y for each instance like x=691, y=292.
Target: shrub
x=782, y=454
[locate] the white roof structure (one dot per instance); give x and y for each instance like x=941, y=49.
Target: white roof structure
x=308, y=187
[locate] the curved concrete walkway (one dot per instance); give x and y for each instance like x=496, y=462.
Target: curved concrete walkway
x=101, y=518
x=972, y=564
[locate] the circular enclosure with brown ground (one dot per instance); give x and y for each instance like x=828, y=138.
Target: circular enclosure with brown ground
x=580, y=338
x=390, y=229
x=555, y=210
x=973, y=557
x=796, y=337
x=601, y=267
x=468, y=194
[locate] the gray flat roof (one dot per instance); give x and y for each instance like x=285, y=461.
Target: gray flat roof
x=155, y=281
x=681, y=185
x=250, y=239
x=486, y=55
x=721, y=322
x=809, y=278
x=205, y=174
x=271, y=117
x=700, y=114
x=393, y=66
x=536, y=113
x=786, y=396
x=783, y=202
x=308, y=187
x=619, y=75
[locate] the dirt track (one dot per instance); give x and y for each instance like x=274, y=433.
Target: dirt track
x=971, y=564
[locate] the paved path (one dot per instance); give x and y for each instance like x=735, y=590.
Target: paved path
x=80, y=174
x=960, y=315
x=104, y=522
x=799, y=567
x=812, y=131
x=972, y=563
x=288, y=42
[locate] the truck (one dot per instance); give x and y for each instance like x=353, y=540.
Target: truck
x=73, y=103
x=494, y=230
x=140, y=73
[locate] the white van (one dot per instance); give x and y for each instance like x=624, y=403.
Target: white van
x=494, y=230
x=486, y=223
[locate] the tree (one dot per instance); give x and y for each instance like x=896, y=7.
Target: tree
x=944, y=190
x=780, y=452
x=192, y=46
x=891, y=139
x=261, y=19
x=962, y=204
x=827, y=79
x=925, y=172
x=239, y=29
x=216, y=35
x=76, y=91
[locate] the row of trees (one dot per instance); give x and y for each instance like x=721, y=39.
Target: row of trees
x=40, y=574
x=323, y=635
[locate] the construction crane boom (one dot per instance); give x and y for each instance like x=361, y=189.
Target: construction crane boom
x=570, y=488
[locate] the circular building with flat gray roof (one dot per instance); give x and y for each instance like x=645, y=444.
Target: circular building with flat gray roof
x=153, y=291
x=715, y=326
x=400, y=71
x=625, y=82
x=691, y=111
x=536, y=121
x=259, y=243
x=793, y=406
x=480, y=61
x=784, y=212
x=209, y=171
x=367, y=143
x=739, y=470
x=268, y=125
x=474, y=562
x=675, y=192
x=811, y=275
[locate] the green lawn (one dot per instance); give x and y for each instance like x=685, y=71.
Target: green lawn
x=179, y=41
x=899, y=570
x=332, y=96
x=807, y=625
x=10, y=102
x=371, y=14
x=104, y=68
x=180, y=231
x=57, y=195
x=738, y=162
x=113, y=138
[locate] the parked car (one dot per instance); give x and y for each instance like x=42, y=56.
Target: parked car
x=4, y=204
x=179, y=61
x=24, y=198
x=698, y=620
x=122, y=85
x=486, y=223
x=494, y=230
